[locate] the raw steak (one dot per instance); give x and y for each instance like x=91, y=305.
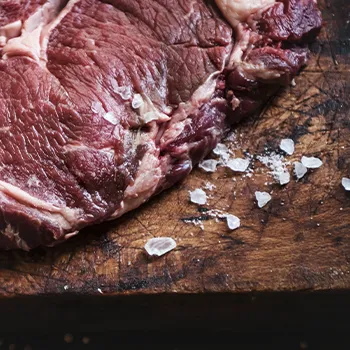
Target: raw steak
x=105, y=103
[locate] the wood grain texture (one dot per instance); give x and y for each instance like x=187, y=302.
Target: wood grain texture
x=300, y=241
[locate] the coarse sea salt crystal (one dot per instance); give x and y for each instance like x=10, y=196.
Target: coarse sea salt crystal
x=263, y=198
x=208, y=165
x=311, y=162
x=222, y=151
x=233, y=222
x=198, y=196
x=238, y=164
x=346, y=183
x=300, y=170
x=96, y=107
x=110, y=117
x=284, y=178
x=159, y=246
x=137, y=101
x=123, y=91
x=288, y=146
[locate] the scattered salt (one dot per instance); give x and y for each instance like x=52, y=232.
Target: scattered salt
x=159, y=246
x=284, y=178
x=96, y=107
x=195, y=222
x=198, y=196
x=208, y=165
x=300, y=170
x=263, y=198
x=311, y=162
x=275, y=162
x=110, y=117
x=222, y=151
x=238, y=164
x=288, y=146
x=123, y=91
x=346, y=183
x=137, y=101
x=209, y=186
x=233, y=222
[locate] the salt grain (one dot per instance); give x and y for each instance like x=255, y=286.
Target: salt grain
x=300, y=170
x=159, y=246
x=233, y=222
x=346, y=183
x=263, y=198
x=238, y=164
x=208, y=165
x=275, y=162
x=311, y=162
x=96, y=107
x=284, y=178
x=137, y=101
x=209, y=186
x=288, y=146
x=110, y=117
x=222, y=151
x=123, y=91
x=198, y=196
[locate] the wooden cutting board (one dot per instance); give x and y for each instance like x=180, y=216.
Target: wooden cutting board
x=301, y=240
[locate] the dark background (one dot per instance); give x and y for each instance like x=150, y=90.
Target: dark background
x=309, y=320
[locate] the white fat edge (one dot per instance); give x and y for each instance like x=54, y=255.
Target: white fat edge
x=259, y=70
x=238, y=11
x=10, y=31
x=148, y=176
x=49, y=27
x=69, y=214
x=203, y=94
x=11, y=233
x=29, y=42
x=148, y=112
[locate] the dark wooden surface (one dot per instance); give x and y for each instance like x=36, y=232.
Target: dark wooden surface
x=300, y=241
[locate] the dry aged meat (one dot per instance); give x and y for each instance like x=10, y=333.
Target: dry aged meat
x=105, y=103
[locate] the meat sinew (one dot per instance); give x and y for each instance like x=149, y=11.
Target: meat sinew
x=104, y=104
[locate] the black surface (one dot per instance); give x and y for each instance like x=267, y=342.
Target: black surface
x=268, y=321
